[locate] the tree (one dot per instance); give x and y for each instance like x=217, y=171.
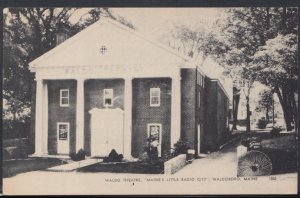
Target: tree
x=265, y=103
x=27, y=34
x=276, y=63
x=261, y=44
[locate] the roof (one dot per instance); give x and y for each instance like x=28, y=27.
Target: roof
x=127, y=44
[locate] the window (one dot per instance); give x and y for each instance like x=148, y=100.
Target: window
x=199, y=99
x=63, y=129
x=64, y=97
x=108, y=95
x=154, y=97
x=154, y=135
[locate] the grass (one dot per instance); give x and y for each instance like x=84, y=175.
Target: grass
x=125, y=167
x=13, y=167
x=281, y=149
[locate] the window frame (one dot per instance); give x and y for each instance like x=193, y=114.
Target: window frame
x=151, y=96
x=61, y=98
x=57, y=130
x=199, y=99
x=112, y=97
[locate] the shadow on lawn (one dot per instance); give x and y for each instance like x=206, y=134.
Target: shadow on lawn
x=126, y=167
x=11, y=168
x=281, y=149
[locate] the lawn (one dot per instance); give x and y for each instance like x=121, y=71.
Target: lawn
x=126, y=167
x=281, y=149
x=13, y=167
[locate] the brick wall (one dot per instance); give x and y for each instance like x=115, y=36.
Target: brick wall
x=94, y=99
x=61, y=114
x=210, y=124
x=188, y=106
x=143, y=114
x=216, y=116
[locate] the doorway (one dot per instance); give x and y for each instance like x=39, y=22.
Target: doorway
x=106, y=131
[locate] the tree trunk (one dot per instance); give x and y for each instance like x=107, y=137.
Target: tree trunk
x=284, y=107
x=235, y=106
x=295, y=109
x=248, y=128
x=267, y=115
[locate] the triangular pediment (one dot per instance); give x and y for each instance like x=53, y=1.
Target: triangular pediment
x=122, y=45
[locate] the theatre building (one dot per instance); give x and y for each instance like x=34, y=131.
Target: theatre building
x=108, y=87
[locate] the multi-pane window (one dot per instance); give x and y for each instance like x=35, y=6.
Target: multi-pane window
x=108, y=95
x=64, y=97
x=155, y=136
x=199, y=99
x=63, y=129
x=154, y=97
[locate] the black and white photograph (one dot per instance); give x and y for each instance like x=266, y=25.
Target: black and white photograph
x=150, y=101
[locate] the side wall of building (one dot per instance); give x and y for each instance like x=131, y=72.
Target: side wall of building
x=61, y=114
x=210, y=124
x=200, y=116
x=143, y=113
x=222, y=116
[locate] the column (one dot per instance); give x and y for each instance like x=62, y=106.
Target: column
x=39, y=118
x=127, y=118
x=175, y=109
x=45, y=118
x=80, y=115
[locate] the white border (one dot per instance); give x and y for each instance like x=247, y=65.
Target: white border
x=60, y=98
x=155, y=89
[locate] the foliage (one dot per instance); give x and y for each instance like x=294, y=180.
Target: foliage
x=27, y=34
x=80, y=155
x=275, y=131
x=262, y=123
x=265, y=102
x=180, y=147
x=246, y=141
x=252, y=44
x=150, y=153
x=113, y=157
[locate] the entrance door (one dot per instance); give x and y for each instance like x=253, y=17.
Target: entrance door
x=106, y=131
x=198, y=136
x=63, y=137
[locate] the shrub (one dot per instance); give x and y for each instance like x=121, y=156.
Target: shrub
x=247, y=140
x=275, y=131
x=80, y=155
x=262, y=123
x=180, y=147
x=113, y=157
x=19, y=153
x=5, y=154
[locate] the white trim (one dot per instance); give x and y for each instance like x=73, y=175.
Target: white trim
x=80, y=114
x=153, y=89
x=86, y=31
x=221, y=86
x=160, y=135
x=61, y=97
x=112, y=97
x=198, y=138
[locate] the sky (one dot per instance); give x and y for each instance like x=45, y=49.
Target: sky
x=154, y=22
